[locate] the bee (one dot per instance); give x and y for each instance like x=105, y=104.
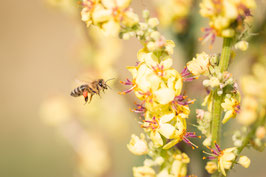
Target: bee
x=92, y=88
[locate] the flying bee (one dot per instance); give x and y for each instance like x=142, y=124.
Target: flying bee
x=92, y=88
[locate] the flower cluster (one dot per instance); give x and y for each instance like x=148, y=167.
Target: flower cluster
x=175, y=166
x=226, y=16
x=108, y=15
x=203, y=64
x=173, y=12
x=163, y=108
x=159, y=87
x=225, y=159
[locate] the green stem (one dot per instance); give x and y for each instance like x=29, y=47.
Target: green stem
x=225, y=56
x=217, y=100
x=216, y=117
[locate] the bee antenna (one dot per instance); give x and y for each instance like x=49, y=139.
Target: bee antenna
x=109, y=79
x=109, y=86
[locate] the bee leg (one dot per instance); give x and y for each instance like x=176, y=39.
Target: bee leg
x=86, y=100
x=85, y=94
x=91, y=97
x=99, y=93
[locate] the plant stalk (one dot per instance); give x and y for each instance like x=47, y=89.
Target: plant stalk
x=217, y=99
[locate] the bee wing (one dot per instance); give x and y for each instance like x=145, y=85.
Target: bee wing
x=81, y=82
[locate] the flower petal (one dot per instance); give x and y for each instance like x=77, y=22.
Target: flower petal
x=164, y=95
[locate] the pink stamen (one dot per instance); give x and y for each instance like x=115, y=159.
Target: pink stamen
x=215, y=153
x=190, y=135
x=186, y=73
x=154, y=124
x=217, y=147
x=127, y=91
x=210, y=33
x=181, y=100
x=128, y=82
x=158, y=70
x=148, y=96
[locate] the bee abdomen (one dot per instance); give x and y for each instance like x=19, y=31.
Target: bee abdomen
x=79, y=90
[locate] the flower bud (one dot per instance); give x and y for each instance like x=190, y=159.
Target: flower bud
x=228, y=33
x=143, y=26
x=260, y=132
x=138, y=146
x=244, y=161
x=205, y=83
x=220, y=92
x=143, y=172
x=211, y=167
x=155, y=35
x=159, y=160
x=146, y=14
x=126, y=36
x=238, y=143
x=242, y=45
x=140, y=33
x=153, y=22
x=149, y=162
x=151, y=46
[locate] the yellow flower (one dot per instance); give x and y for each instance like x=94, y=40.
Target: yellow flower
x=211, y=167
x=179, y=166
x=138, y=146
x=164, y=95
x=162, y=126
x=225, y=157
x=143, y=171
x=244, y=161
x=226, y=16
x=108, y=15
x=153, y=81
x=231, y=107
x=200, y=64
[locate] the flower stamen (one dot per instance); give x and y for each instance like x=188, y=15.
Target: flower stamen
x=186, y=73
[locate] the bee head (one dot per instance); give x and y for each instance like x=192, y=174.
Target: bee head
x=102, y=84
